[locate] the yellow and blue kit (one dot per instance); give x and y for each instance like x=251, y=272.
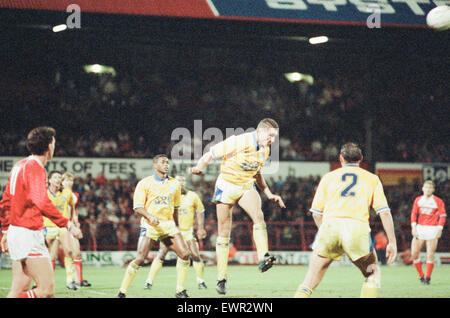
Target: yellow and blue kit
x=344, y=198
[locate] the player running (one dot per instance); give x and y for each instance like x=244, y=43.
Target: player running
x=243, y=157
x=341, y=212
x=428, y=228
x=24, y=202
x=63, y=200
x=67, y=183
x=191, y=208
x=157, y=199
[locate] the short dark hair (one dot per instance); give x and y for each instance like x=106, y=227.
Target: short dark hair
x=52, y=173
x=351, y=152
x=39, y=138
x=268, y=122
x=155, y=158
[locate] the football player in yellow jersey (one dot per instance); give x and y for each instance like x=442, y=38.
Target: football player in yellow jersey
x=157, y=199
x=243, y=157
x=341, y=212
x=191, y=208
x=67, y=183
x=55, y=235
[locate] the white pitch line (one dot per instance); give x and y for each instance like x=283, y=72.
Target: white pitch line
x=96, y=292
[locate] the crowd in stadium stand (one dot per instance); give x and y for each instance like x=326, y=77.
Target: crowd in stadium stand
x=134, y=114
x=105, y=209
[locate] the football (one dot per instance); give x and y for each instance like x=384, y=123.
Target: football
x=439, y=18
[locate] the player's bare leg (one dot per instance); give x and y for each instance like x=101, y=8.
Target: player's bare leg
x=368, y=265
x=431, y=246
x=251, y=203
x=416, y=247
x=157, y=264
x=66, y=244
x=53, y=246
x=143, y=247
x=179, y=246
x=197, y=262
x=223, y=211
x=38, y=269
x=77, y=263
x=20, y=282
x=318, y=265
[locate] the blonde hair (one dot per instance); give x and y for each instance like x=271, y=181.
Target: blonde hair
x=430, y=183
x=268, y=123
x=68, y=175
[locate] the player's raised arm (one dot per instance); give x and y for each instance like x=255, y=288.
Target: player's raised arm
x=201, y=164
x=262, y=185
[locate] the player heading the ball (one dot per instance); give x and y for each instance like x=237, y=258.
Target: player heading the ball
x=243, y=157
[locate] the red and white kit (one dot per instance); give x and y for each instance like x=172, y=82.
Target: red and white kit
x=24, y=202
x=431, y=214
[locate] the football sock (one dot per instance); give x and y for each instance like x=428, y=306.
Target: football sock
x=182, y=273
x=130, y=273
x=29, y=294
x=68, y=264
x=157, y=263
x=369, y=288
x=222, y=251
x=430, y=266
x=78, y=269
x=199, y=268
x=303, y=292
x=261, y=240
x=418, y=266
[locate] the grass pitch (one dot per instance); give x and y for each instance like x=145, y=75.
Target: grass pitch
x=247, y=282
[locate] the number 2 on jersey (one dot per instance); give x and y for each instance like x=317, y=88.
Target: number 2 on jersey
x=346, y=192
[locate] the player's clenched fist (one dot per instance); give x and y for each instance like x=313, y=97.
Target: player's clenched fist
x=195, y=170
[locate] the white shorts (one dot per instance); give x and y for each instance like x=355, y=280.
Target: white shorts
x=188, y=235
x=230, y=193
x=427, y=232
x=161, y=231
x=25, y=243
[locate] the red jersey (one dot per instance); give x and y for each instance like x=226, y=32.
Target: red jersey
x=76, y=198
x=431, y=211
x=25, y=198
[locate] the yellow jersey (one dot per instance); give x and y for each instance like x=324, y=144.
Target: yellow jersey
x=158, y=196
x=349, y=192
x=190, y=204
x=62, y=200
x=242, y=158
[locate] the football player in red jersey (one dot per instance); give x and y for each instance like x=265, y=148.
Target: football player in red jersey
x=67, y=182
x=24, y=203
x=428, y=228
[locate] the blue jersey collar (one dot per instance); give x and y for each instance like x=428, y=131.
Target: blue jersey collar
x=158, y=178
x=350, y=165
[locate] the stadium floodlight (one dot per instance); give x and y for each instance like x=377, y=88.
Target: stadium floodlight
x=99, y=69
x=318, y=39
x=297, y=77
x=59, y=28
